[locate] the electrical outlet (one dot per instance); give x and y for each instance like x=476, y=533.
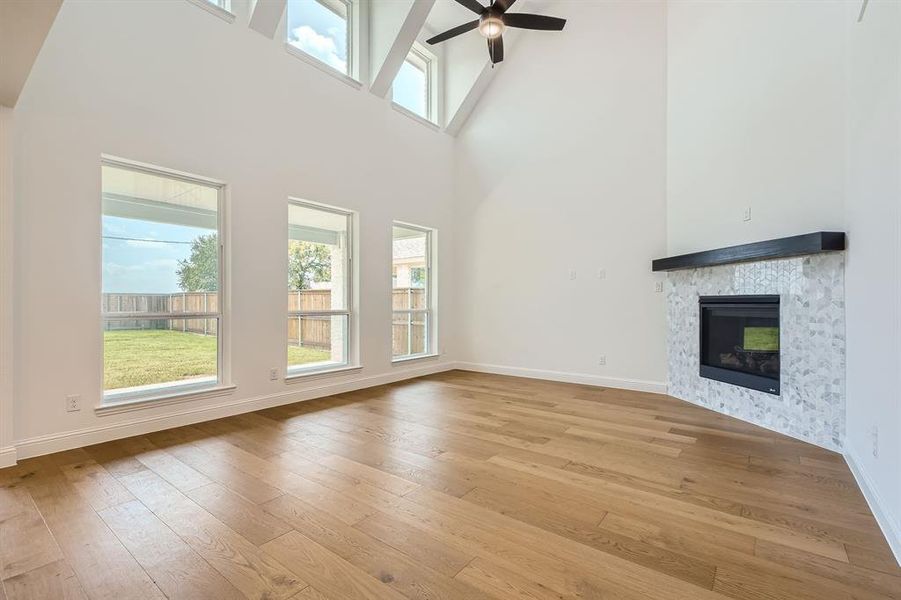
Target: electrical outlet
x=602, y=360
x=658, y=286
x=747, y=214
x=874, y=434
x=602, y=273
x=273, y=374
x=572, y=273
x=73, y=403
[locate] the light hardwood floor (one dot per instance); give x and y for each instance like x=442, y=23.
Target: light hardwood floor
x=457, y=485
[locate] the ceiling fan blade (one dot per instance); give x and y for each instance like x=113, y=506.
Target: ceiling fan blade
x=496, y=49
x=453, y=32
x=502, y=5
x=527, y=21
x=472, y=5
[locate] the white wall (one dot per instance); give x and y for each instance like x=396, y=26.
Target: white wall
x=466, y=59
x=873, y=279
x=7, y=236
x=170, y=84
x=561, y=167
x=754, y=119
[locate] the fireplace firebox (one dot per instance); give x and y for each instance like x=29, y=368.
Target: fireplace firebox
x=740, y=341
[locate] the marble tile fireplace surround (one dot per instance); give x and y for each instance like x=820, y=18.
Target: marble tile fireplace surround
x=810, y=285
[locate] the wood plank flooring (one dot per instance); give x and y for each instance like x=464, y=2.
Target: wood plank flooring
x=453, y=486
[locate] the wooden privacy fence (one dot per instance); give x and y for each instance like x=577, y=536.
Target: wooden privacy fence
x=315, y=332
x=186, y=302
x=312, y=332
x=408, y=330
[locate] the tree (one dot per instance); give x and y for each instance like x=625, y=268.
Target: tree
x=307, y=263
x=200, y=271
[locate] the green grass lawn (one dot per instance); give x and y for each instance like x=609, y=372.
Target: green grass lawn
x=144, y=357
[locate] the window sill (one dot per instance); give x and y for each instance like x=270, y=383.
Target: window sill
x=412, y=115
x=297, y=53
x=318, y=374
x=162, y=399
x=211, y=8
x=414, y=358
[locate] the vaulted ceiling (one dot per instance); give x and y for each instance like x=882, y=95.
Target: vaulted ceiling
x=394, y=25
x=23, y=26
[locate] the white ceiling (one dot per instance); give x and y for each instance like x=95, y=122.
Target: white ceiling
x=23, y=26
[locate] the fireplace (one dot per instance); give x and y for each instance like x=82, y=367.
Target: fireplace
x=740, y=341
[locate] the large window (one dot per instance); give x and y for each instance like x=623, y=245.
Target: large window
x=322, y=29
x=162, y=280
x=319, y=287
x=413, y=319
x=414, y=85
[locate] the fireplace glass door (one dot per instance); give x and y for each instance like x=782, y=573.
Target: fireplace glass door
x=740, y=341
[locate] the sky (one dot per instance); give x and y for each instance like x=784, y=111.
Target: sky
x=321, y=33
x=409, y=89
x=140, y=265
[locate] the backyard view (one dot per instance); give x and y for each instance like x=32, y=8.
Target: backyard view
x=161, y=280
x=160, y=299
x=143, y=357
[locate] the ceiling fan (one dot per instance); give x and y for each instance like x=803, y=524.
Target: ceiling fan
x=493, y=20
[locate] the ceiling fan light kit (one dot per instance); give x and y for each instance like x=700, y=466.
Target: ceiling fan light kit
x=491, y=26
x=493, y=21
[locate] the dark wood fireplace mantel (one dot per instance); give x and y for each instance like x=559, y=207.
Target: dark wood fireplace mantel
x=798, y=245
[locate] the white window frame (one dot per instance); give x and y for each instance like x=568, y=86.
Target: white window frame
x=350, y=361
x=221, y=9
x=351, y=7
x=159, y=393
x=429, y=65
x=431, y=309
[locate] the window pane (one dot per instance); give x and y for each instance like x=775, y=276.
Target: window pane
x=160, y=256
x=317, y=259
x=408, y=298
x=411, y=89
x=320, y=30
x=159, y=234
x=316, y=342
x=409, y=268
x=409, y=334
x=141, y=355
x=411, y=289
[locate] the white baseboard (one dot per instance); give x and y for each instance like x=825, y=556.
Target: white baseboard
x=638, y=385
x=880, y=509
x=7, y=456
x=57, y=442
